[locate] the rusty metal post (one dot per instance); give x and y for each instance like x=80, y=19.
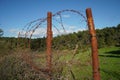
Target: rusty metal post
x=18, y=40
x=29, y=43
x=49, y=41
x=94, y=45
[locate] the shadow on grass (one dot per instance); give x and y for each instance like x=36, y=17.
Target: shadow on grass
x=115, y=54
x=112, y=73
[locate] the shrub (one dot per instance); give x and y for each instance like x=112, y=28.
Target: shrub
x=12, y=67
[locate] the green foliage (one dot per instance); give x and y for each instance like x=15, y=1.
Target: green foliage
x=38, y=44
x=109, y=36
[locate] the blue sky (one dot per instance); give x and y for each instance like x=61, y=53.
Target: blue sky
x=14, y=14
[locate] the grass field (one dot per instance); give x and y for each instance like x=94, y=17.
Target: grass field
x=67, y=65
x=110, y=63
x=109, y=59
x=71, y=66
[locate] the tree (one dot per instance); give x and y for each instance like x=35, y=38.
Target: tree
x=1, y=32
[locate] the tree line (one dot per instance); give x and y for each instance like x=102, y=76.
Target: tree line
x=108, y=36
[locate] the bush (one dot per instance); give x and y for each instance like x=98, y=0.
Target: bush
x=5, y=48
x=12, y=67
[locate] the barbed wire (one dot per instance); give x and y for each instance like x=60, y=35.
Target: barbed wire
x=30, y=28
x=60, y=45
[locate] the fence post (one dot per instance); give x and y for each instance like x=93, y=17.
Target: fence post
x=49, y=41
x=94, y=45
x=29, y=43
x=18, y=40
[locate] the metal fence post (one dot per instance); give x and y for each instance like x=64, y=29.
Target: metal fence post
x=49, y=41
x=94, y=45
x=18, y=40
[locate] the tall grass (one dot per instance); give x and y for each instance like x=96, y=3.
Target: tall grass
x=66, y=65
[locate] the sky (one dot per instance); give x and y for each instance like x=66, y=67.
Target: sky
x=15, y=14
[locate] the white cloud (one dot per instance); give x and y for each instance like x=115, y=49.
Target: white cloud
x=41, y=32
x=66, y=16
x=16, y=31
x=13, y=32
x=63, y=16
x=68, y=29
x=57, y=17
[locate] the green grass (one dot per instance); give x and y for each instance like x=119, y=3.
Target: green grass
x=110, y=63
x=79, y=67
x=75, y=66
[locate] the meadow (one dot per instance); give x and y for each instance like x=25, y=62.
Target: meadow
x=67, y=65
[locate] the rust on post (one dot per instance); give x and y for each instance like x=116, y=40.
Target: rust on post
x=18, y=40
x=49, y=41
x=29, y=43
x=94, y=45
